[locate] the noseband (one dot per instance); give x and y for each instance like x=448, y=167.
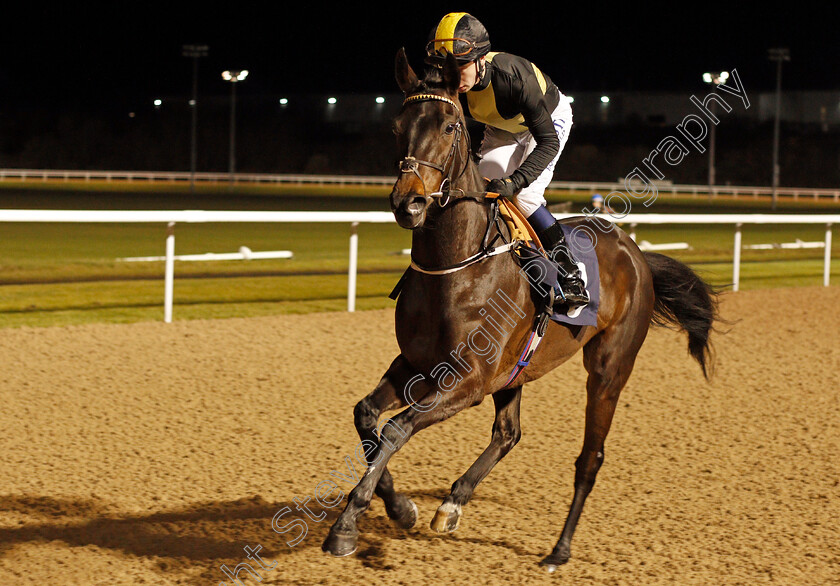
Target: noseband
x=412, y=164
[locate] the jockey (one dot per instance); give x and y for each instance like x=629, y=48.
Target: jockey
x=527, y=121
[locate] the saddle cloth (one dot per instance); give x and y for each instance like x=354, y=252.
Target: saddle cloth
x=543, y=272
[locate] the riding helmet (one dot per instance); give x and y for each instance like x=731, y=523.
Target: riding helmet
x=462, y=35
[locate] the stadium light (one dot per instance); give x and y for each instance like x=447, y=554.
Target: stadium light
x=194, y=52
x=284, y=101
x=380, y=100
x=778, y=55
x=233, y=76
x=604, y=110
x=331, y=101
x=715, y=78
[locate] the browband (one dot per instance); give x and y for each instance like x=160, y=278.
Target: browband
x=429, y=97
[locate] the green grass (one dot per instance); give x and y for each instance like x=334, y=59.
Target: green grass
x=182, y=188
x=61, y=274
x=30, y=251
x=207, y=298
x=760, y=275
x=177, y=195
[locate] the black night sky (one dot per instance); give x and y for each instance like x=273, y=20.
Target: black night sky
x=77, y=55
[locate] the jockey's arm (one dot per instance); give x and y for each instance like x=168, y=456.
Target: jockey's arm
x=538, y=119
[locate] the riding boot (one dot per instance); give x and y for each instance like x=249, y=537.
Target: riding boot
x=572, y=286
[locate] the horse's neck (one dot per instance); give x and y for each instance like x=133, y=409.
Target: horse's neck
x=457, y=230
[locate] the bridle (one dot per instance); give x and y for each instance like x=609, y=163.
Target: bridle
x=445, y=192
x=411, y=164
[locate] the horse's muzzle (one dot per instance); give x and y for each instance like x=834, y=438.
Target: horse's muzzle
x=409, y=209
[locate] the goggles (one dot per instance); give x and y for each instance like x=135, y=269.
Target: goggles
x=470, y=47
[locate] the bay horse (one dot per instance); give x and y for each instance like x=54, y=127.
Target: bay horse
x=439, y=195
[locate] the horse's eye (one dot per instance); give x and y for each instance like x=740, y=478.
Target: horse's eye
x=450, y=128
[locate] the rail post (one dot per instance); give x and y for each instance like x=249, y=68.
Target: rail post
x=736, y=261
x=169, y=273
x=827, y=266
x=354, y=261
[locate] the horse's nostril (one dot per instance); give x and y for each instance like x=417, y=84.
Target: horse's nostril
x=415, y=205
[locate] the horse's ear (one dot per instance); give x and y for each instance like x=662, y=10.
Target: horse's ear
x=406, y=78
x=451, y=74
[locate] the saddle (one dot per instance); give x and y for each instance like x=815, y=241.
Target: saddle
x=519, y=227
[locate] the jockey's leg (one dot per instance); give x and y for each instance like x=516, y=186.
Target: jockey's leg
x=571, y=279
x=531, y=202
x=501, y=153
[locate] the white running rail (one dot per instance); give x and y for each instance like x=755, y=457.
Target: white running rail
x=353, y=219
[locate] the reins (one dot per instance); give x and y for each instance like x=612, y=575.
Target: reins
x=411, y=164
x=486, y=251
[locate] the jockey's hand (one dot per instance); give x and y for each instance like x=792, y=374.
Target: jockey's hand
x=508, y=186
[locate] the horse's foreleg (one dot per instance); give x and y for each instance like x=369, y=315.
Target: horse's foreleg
x=366, y=414
x=393, y=435
x=609, y=359
x=506, y=434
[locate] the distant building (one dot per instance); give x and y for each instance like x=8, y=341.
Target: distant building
x=817, y=108
x=821, y=108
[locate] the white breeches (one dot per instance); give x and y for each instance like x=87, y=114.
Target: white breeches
x=502, y=153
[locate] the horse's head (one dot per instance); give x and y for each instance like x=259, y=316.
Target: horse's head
x=431, y=140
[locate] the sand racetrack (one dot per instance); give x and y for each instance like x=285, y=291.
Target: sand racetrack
x=154, y=453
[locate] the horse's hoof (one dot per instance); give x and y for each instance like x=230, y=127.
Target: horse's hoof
x=551, y=561
x=340, y=544
x=446, y=518
x=407, y=517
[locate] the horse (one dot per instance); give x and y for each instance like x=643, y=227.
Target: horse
x=440, y=196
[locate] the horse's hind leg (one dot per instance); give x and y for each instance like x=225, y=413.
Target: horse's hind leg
x=384, y=397
x=506, y=434
x=609, y=359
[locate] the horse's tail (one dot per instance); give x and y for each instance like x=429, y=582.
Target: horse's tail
x=684, y=300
